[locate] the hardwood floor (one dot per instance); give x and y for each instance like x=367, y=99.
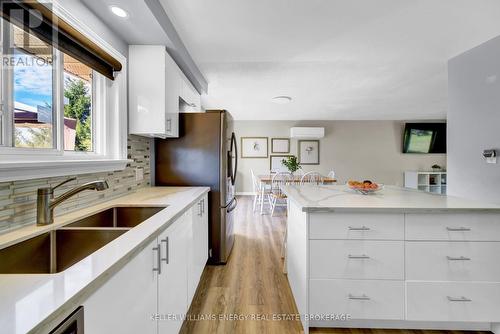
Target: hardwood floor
x=252, y=287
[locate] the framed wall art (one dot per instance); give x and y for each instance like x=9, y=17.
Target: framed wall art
x=254, y=147
x=280, y=145
x=308, y=152
x=275, y=164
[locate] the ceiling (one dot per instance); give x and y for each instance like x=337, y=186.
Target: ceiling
x=337, y=59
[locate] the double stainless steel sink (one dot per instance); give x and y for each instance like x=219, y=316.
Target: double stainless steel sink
x=57, y=250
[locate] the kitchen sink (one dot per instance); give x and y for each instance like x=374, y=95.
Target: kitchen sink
x=57, y=250
x=54, y=251
x=118, y=217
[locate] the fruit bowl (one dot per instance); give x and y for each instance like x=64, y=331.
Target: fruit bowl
x=366, y=187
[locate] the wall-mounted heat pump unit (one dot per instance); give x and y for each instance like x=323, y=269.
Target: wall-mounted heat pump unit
x=307, y=133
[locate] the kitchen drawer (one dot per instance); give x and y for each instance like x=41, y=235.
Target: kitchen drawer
x=363, y=299
x=356, y=259
x=452, y=261
x=375, y=226
x=453, y=301
x=468, y=226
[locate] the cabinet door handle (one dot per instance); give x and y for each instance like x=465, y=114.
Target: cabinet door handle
x=362, y=297
x=167, y=253
x=459, y=299
x=458, y=229
x=203, y=206
x=169, y=125
x=459, y=258
x=199, y=209
x=158, y=259
x=362, y=228
x=362, y=256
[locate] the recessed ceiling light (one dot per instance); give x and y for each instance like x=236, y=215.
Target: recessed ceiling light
x=120, y=12
x=281, y=99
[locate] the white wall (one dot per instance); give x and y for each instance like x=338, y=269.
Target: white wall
x=354, y=149
x=474, y=122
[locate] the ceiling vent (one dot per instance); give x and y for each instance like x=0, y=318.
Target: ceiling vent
x=307, y=133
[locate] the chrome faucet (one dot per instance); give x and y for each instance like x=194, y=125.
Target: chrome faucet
x=45, y=202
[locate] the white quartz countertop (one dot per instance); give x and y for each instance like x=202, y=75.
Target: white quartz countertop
x=312, y=198
x=30, y=302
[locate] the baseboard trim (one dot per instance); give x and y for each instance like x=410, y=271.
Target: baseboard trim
x=396, y=324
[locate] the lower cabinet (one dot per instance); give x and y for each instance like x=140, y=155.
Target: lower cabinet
x=126, y=303
x=153, y=291
x=361, y=299
x=198, y=253
x=172, y=279
x=453, y=301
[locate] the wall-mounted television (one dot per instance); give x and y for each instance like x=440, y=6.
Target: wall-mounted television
x=424, y=138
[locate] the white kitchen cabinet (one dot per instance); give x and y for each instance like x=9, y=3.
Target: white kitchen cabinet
x=198, y=252
x=127, y=301
x=418, y=269
x=352, y=226
x=361, y=299
x=356, y=259
x=155, y=84
x=172, y=280
x=453, y=301
x=157, y=283
x=189, y=95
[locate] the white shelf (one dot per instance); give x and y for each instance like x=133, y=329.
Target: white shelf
x=428, y=181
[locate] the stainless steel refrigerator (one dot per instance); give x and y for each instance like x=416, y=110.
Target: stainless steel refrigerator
x=205, y=154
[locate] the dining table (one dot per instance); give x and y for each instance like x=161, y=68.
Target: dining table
x=267, y=179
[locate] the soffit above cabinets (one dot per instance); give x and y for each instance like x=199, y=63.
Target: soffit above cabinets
x=149, y=24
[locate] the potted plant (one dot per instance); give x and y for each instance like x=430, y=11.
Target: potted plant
x=291, y=163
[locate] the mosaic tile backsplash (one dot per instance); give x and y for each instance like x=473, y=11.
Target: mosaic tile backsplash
x=18, y=198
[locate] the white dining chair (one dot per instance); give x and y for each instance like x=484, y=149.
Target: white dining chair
x=278, y=198
x=261, y=193
x=312, y=178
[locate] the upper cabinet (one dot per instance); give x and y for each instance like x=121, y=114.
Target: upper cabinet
x=158, y=91
x=190, y=99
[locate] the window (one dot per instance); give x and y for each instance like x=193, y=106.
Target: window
x=59, y=111
x=29, y=83
x=31, y=70
x=78, y=111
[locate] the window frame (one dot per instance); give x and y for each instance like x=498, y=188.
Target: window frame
x=109, y=123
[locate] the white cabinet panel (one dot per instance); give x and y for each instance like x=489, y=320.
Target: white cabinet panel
x=297, y=258
x=198, y=250
x=452, y=261
x=453, y=301
x=126, y=302
x=362, y=299
x=356, y=259
x=172, y=281
x=372, y=226
x=154, y=88
x=467, y=226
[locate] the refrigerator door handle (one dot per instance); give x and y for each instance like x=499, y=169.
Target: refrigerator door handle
x=234, y=153
x=234, y=206
x=228, y=204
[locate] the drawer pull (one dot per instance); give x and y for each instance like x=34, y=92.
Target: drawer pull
x=460, y=258
x=458, y=229
x=362, y=228
x=362, y=256
x=362, y=297
x=459, y=299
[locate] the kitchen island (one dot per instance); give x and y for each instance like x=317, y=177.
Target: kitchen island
x=394, y=259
